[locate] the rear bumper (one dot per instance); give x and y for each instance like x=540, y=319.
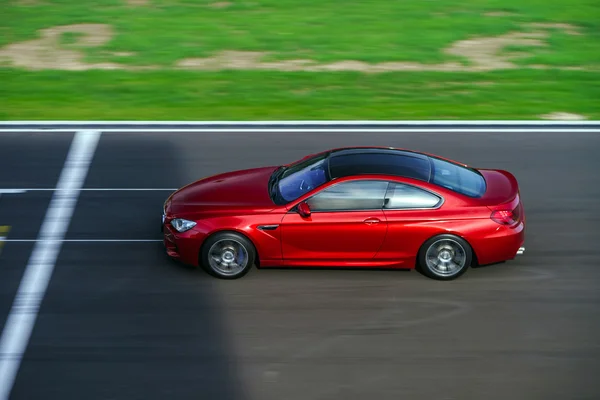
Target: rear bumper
x=502, y=245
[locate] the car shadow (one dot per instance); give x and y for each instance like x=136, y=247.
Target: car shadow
x=121, y=319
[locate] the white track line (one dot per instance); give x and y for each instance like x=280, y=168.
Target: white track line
x=222, y=131
x=310, y=122
x=38, y=272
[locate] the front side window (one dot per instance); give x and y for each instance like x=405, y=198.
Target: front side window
x=401, y=196
x=350, y=196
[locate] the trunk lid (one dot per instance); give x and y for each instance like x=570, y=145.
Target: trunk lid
x=502, y=197
x=502, y=188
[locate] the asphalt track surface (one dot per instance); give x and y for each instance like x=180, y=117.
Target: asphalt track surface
x=121, y=321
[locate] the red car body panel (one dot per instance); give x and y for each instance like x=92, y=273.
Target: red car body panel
x=229, y=193
x=350, y=238
x=239, y=201
x=502, y=187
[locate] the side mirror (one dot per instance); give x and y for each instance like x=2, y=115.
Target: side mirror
x=304, y=210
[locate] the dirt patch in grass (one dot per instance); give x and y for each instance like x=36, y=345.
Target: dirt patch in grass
x=500, y=14
x=29, y=3
x=122, y=54
x=220, y=4
x=568, y=28
x=252, y=60
x=484, y=54
x=48, y=52
x=481, y=53
x=137, y=3
x=563, y=116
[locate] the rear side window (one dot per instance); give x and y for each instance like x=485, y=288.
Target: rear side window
x=401, y=196
x=350, y=196
x=457, y=178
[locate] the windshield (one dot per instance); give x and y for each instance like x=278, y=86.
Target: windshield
x=459, y=179
x=302, y=178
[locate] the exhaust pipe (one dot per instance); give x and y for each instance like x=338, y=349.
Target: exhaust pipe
x=521, y=250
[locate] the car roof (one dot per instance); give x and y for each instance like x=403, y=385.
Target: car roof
x=375, y=160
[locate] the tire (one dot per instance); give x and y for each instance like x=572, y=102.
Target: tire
x=228, y=248
x=446, y=250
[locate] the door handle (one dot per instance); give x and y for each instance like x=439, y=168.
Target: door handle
x=371, y=221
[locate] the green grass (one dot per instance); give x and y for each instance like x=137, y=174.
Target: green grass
x=249, y=95
x=374, y=31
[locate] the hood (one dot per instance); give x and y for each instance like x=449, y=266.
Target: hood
x=232, y=191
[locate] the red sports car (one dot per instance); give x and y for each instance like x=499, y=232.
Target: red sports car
x=348, y=207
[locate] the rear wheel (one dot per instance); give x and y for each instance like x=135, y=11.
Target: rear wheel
x=445, y=257
x=227, y=255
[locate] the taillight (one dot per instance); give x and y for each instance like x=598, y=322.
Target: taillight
x=507, y=217
x=517, y=212
x=503, y=217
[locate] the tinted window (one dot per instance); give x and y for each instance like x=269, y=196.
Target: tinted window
x=380, y=163
x=405, y=196
x=457, y=178
x=302, y=178
x=354, y=195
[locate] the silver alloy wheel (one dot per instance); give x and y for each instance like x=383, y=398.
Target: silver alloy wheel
x=228, y=257
x=446, y=257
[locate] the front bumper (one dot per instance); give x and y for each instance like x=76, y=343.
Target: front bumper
x=181, y=246
x=170, y=242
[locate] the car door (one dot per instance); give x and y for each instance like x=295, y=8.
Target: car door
x=347, y=226
x=410, y=212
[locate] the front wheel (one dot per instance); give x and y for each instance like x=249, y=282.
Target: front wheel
x=227, y=255
x=445, y=257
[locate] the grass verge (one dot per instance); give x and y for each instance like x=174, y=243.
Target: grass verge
x=125, y=95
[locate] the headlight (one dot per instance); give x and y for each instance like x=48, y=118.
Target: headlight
x=182, y=225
